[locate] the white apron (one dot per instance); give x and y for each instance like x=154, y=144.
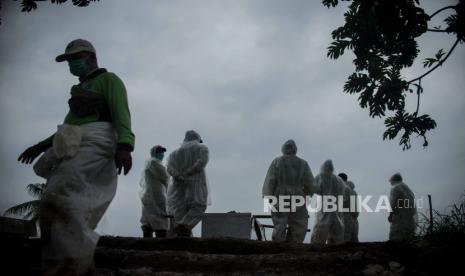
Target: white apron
x=81, y=183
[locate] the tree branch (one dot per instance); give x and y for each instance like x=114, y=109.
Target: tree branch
x=419, y=90
x=439, y=63
x=440, y=10
x=437, y=31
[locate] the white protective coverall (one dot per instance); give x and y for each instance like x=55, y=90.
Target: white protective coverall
x=289, y=175
x=81, y=182
x=188, y=195
x=351, y=218
x=154, y=184
x=329, y=226
x=404, y=217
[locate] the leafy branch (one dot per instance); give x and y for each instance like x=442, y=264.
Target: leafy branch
x=30, y=5
x=441, y=10
x=430, y=61
x=29, y=209
x=383, y=36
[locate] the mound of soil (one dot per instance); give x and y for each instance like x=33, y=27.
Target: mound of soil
x=227, y=256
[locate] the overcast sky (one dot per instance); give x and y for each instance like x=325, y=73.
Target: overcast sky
x=247, y=75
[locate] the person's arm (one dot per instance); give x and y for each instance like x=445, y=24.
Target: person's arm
x=269, y=185
x=32, y=152
x=308, y=181
x=200, y=163
x=159, y=172
x=172, y=171
x=347, y=194
x=117, y=101
x=171, y=168
x=393, y=201
x=357, y=211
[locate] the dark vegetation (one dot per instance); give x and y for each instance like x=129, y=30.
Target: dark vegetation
x=383, y=35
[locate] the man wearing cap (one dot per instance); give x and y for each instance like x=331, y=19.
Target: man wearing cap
x=154, y=183
x=403, y=217
x=82, y=160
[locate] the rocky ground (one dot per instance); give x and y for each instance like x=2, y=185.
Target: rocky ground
x=194, y=256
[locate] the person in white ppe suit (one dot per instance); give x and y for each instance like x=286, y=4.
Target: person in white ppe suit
x=351, y=217
x=154, y=183
x=289, y=175
x=188, y=195
x=329, y=226
x=403, y=217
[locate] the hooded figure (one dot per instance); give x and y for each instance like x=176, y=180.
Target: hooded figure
x=154, y=183
x=188, y=195
x=329, y=226
x=289, y=175
x=403, y=217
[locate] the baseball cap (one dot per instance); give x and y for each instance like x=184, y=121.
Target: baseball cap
x=74, y=47
x=157, y=149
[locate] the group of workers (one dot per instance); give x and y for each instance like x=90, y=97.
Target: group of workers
x=82, y=159
x=291, y=176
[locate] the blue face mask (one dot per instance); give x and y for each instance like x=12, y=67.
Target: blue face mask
x=79, y=67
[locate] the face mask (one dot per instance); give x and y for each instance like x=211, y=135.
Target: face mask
x=159, y=156
x=79, y=67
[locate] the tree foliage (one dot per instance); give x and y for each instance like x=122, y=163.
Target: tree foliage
x=383, y=36
x=30, y=5
x=29, y=209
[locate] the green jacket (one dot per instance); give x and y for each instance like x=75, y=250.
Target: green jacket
x=110, y=89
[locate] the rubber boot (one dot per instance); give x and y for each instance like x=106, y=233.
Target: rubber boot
x=182, y=231
x=147, y=231
x=160, y=233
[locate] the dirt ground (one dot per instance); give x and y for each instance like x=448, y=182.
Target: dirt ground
x=225, y=256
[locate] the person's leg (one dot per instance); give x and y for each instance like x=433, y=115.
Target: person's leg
x=320, y=230
x=348, y=226
x=178, y=208
x=196, y=200
x=336, y=232
x=158, y=219
x=280, y=220
x=194, y=215
x=401, y=228
x=160, y=233
x=298, y=223
x=354, y=237
x=147, y=231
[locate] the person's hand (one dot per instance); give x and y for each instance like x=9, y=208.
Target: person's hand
x=29, y=155
x=123, y=160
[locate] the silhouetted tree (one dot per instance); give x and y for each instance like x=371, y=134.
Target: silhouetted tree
x=29, y=209
x=30, y=5
x=383, y=36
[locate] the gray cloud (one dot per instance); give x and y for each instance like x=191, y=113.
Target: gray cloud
x=247, y=75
